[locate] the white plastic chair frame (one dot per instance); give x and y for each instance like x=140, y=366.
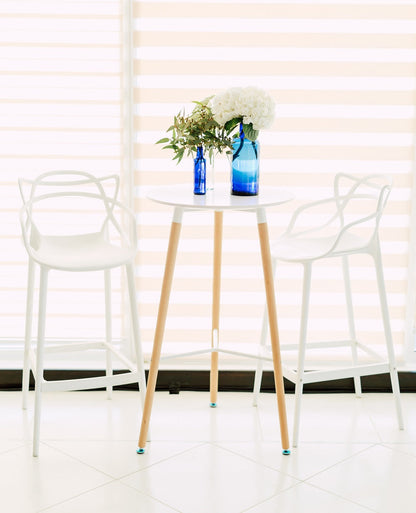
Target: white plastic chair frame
x=106, y=257
x=305, y=246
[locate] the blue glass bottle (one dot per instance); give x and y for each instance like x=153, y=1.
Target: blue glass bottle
x=200, y=169
x=245, y=166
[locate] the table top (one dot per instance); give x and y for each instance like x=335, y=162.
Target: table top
x=220, y=198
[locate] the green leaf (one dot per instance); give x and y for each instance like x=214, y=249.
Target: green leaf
x=249, y=132
x=204, y=102
x=180, y=153
x=199, y=128
x=231, y=124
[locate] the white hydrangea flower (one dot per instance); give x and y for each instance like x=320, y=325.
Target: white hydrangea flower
x=252, y=104
x=225, y=105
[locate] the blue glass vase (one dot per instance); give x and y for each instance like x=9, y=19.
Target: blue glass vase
x=245, y=166
x=200, y=172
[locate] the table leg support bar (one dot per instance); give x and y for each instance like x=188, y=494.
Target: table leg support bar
x=274, y=334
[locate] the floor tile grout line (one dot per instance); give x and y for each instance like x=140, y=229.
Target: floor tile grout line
x=387, y=445
x=45, y=510
x=373, y=423
x=304, y=482
x=197, y=444
x=331, y=492
x=21, y=444
x=271, y=497
x=252, y=460
x=343, y=460
x=73, y=458
x=111, y=479
x=164, y=460
x=149, y=496
x=234, y=454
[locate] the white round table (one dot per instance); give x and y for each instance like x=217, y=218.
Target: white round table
x=218, y=200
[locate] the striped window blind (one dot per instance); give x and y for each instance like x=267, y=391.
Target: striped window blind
x=342, y=74
x=61, y=98
x=343, y=77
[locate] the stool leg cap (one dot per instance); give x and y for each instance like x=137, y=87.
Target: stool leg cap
x=286, y=452
x=213, y=405
x=139, y=450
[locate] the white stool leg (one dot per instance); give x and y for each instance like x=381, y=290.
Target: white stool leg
x=351, y=324
x=387, y=331
x=263, y=340
x=136, y=332
x=108, y=328
x=28, y=332
x=307, y=273
x=39, y=357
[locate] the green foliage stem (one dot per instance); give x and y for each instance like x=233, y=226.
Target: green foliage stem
x=198, y=129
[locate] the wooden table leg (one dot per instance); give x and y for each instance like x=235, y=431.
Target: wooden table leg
x=274, y=334
x=216, y=287
x=160, y=326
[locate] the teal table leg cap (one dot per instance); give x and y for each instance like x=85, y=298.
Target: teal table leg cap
x=213, y=405
x=286, y=452
x=139, y=450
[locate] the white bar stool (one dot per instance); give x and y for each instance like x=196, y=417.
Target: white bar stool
x=76, y=246
x=350, y=228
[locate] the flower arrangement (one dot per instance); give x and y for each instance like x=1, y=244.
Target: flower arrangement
x=251, y=106
x=199, y=129
x=213, y=121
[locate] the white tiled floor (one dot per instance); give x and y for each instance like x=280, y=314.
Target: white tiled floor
x=351, y=459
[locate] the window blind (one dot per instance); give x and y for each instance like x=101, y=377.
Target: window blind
x=60, y=95
x=343, y=77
